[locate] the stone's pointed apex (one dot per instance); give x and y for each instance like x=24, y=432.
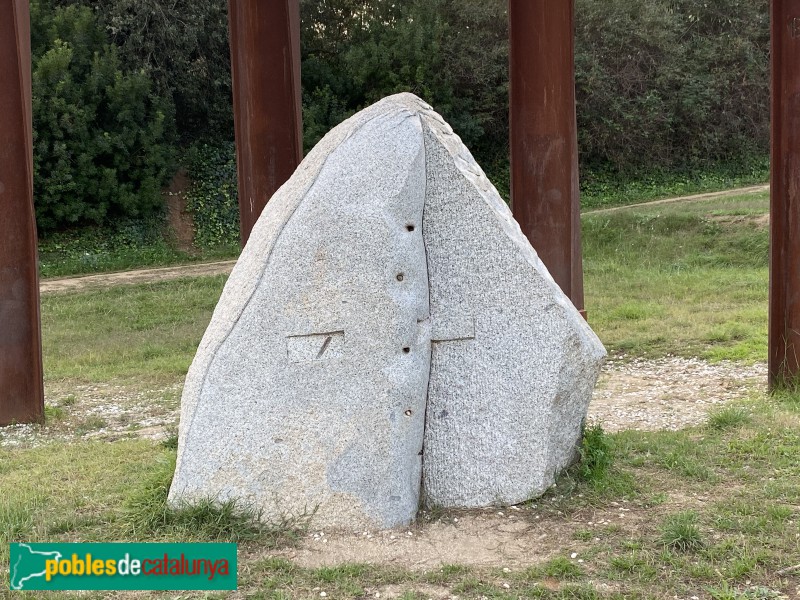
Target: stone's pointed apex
x=406, y=99
x=386, y=297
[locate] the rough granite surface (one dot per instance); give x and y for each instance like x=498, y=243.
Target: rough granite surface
x=505, y=405
x=385, y=280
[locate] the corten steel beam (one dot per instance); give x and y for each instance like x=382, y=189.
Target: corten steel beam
x=265, y=65
x=784, y=280
x=543, y=137
x=21, y=389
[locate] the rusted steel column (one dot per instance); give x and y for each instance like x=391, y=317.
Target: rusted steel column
x=784, y=280
x=265, y=64
x=21, y=389
x=543, y=135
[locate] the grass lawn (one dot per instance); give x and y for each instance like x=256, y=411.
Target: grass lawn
x=686, y=278
x=712, y=511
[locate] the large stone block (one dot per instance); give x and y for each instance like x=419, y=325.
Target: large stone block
x=386, y=297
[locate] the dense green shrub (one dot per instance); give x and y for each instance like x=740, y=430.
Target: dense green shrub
x=182, y=46
x=662, y=86
x=213, y=198
x=454, y=54
x=101, y=137
x=667, y=90
x=595, y=454
x=671, y=83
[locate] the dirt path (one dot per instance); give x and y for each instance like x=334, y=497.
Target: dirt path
x=753, y=189
x=101, y=280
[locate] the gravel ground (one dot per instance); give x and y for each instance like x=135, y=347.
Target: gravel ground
x=669, y=393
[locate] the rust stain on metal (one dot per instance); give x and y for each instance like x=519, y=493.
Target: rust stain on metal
x=784, y=280
x=543, y=137
x=265, y=68
x=21, y=388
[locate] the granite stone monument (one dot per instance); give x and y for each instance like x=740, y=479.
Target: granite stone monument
x=388, y=336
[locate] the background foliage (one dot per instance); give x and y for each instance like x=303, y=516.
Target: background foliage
x=668, y=91
x=102, y=138
x=673, y=83
x=213, y=199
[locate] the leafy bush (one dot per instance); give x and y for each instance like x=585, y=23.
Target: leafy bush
x=661, y=86
x=452, y=53
x=101, y=137
x=182, y=45
x=667, y=91
x=214, y=198
x=672, y=83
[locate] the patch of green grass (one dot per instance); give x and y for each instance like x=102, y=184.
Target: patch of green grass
x=445, y=574
x=583, y=535
x=17, y=518
x=743, y=515
x=53, y=414
x=559, y=568
x=728, y=417
x=128, y=245
x=602, y=188
x=679, y=531
x=277, y=577
x=140, y=333
x=48, y=486
x=474, y=586
x=148, y=515
x=656, y=499
x=677, y=279
x=68, y=400
x=726, y=591
x=89, y=424
x=562, y=568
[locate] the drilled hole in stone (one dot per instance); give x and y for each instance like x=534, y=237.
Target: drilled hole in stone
x=400, y=277
x=406, y=350
x=410, y=227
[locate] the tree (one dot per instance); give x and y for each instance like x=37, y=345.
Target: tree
x=671, y=82
x=182, y=46
x=101, y=137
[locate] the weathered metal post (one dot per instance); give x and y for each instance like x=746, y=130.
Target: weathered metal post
x=265, y=65
x=784, y=278
x=21, y=388
x=543, y=136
